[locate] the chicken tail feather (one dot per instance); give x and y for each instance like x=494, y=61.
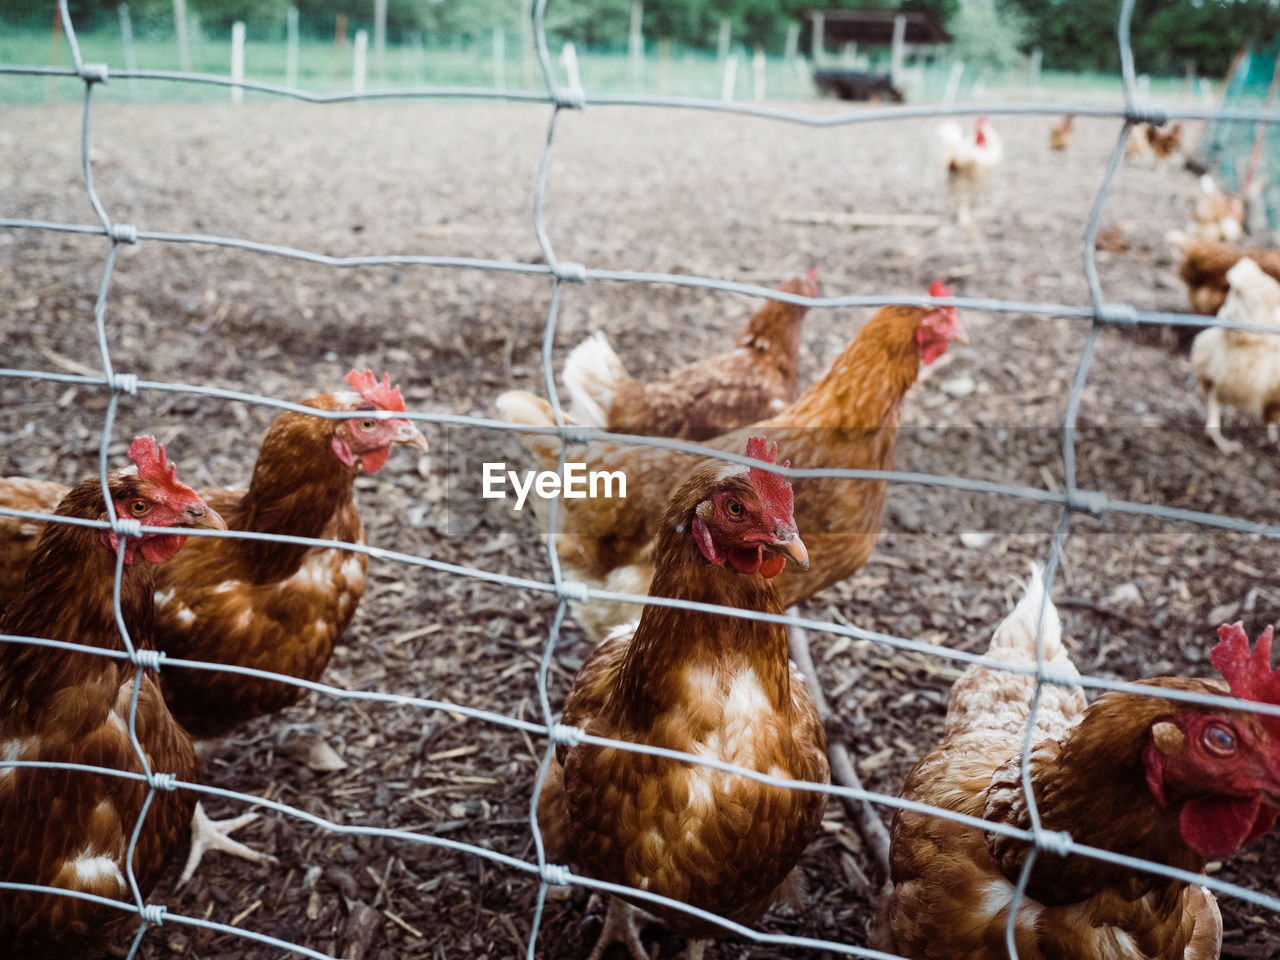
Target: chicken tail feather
x=522, y=407
x=593, y=373
x=998, y=701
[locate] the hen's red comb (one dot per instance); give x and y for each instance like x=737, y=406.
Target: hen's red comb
x=774, y=488
x=381, y=395
x=1248, y=672
x=940, y=289
x=813, y=274
x=148, y=454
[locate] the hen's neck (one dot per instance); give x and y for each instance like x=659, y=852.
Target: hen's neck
x=866, y=384
x=1093, y=785
x=298, y=485
x=668, y=642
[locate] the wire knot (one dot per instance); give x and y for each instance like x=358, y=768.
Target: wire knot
x=153, y=913
x=1119, y=314
x=568, y=272
x=572, y=590
x=1087, y=501
x=123, y=233
x=1156, y=116
x=570, y=98
x=124, y=383
x=576, y=433
x=1054, y=841
x=555, y=874
x=148, y=659
x=123, y=527
x=569, y=736
x=94, y=73
x=164, y=781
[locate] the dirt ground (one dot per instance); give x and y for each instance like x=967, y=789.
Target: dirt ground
x=630, y=189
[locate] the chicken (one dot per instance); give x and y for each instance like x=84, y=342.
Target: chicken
x=1205, y=264
x=1060, y=133
x=1164, y=780
x=1242, y=367
x=716, y=686
x=969, y=163
x=847, y=419
x=71, y=829
x=265, y=604
x=1218, y=215
x=1165, y=141
x=756, y=379
x=1149, y=141
x=270, y=605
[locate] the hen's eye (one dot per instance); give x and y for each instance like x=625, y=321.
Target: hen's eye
x=733, y=508
x=1218, y=739
x=366, y=425
x=138, y=507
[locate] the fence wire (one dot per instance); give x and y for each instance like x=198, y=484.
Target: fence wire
x=1073, y=500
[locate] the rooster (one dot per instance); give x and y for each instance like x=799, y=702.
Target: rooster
x=1242, y=367
x=265, y=604
x=1205, y=264
x=754, y=380
x=715, y=686
x=1061, y=132
x=1163, y=780
x=969, y=163
x=71, y=829
x=847, y=419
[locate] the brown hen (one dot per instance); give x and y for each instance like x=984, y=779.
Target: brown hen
x=702, y=683
x=1163, y=780
x=847, y=419
x=259, y=603
x=754, y=380
x=68, y=828
x=1205, y=264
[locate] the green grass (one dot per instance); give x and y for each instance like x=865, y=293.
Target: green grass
x=326, y=67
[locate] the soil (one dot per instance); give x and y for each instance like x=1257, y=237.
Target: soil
x=655, y=190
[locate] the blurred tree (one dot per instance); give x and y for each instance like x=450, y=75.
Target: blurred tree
x=1167, y=35
x=984, y=36
x=1074, y=34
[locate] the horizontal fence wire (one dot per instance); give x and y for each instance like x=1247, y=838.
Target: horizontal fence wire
x=1072, y=500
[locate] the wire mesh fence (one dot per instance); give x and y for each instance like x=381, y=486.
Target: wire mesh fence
x=1073, y=500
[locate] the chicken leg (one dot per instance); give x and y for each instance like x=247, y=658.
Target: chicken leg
x=1213, y=426
x=209, y=835
x=619, y=927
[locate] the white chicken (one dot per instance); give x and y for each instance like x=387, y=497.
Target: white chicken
x=1242, y=367
x=969, y=162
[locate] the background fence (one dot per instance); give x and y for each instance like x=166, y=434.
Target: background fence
x=1070, y=501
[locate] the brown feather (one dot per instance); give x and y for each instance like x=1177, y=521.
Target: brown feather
x=268, y=605
x=847, y=419
x=64, y=828
x=1204, y=270
x=749, y=383
x=704, y=684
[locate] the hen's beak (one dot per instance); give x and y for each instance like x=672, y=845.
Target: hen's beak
x=961, y=336
x=208, y=519
x=408, y=433
x=792, y=547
